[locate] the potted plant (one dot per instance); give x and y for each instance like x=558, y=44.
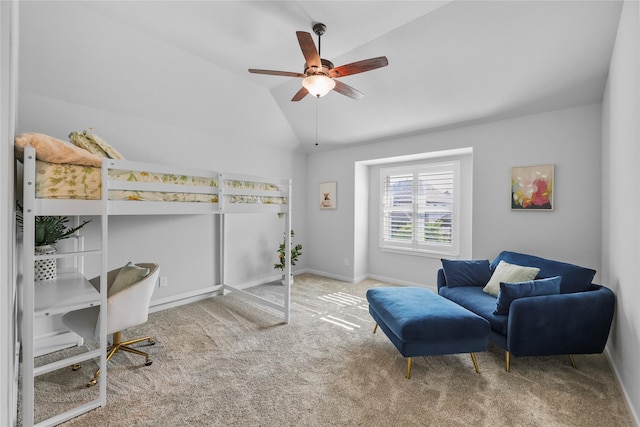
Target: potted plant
x=296, y=251
x=48, y=231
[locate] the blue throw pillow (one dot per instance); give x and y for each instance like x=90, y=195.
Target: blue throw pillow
x=474, y=272
x=574, y=277
x=509, y=292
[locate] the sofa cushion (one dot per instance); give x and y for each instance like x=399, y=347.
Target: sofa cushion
x=574, y=277
x=475, y=300
x=509, y=273
x=475, y=272
x=512, y=291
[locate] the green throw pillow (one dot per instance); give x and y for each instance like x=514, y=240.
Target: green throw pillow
x=127, y=276
x=509, y=273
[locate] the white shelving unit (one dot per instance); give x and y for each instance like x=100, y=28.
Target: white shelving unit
x=68, y=291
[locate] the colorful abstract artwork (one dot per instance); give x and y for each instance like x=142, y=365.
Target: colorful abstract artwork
x=532, y=188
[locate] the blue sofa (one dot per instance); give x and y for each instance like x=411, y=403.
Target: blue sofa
x=574, y=318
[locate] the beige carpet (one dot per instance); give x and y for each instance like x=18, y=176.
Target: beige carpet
x=224, y=362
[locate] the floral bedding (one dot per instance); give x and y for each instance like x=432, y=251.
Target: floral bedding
x=161, y=178
x=250, y=185
x=67, y=181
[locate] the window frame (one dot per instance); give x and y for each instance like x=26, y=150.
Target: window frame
x=415, y=246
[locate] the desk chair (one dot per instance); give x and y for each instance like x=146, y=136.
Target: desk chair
x=128, y=296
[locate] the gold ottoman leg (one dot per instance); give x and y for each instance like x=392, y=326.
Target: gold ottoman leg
x=573, y=362
x=475, y=362
x=375, y=328
x=507, y=361
x=409, y=360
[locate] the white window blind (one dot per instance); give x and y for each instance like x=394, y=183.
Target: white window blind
x=419, y=208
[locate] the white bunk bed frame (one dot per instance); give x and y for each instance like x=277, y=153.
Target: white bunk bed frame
x=75, y=291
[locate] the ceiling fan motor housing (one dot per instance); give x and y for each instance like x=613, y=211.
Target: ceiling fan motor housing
x=320, y=78
x=326, y=67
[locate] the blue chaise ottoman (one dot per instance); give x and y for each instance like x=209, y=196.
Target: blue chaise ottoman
x=420, y=322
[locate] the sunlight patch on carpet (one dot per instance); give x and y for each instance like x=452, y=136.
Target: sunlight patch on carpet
x=342, y=299
x=340, y=322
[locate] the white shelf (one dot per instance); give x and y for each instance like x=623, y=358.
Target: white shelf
x=68, y=291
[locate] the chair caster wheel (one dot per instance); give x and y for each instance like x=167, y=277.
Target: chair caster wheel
x=151, y=342
x=75, y=366
x=92, y=383
x=148, y=363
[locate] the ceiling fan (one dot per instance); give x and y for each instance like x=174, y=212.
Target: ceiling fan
x=319, y=76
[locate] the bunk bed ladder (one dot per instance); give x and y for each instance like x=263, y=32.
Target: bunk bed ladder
x=31, y=209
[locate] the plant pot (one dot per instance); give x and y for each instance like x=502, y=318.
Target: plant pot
x=45, y=269
x=290, y=279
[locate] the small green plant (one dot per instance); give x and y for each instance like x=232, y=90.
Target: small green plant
x=49, y=229
x=296, y=251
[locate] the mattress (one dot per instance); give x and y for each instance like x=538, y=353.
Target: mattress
x=67, y=181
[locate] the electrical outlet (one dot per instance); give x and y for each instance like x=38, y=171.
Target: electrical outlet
x=346, y=261
x=163, y=281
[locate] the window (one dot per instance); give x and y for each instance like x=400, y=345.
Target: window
x=419, y=208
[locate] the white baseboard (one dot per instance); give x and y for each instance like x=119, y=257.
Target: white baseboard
x=401, y=282
x=331, y=276
x=368, y=276
x=200, y=294
x=627, y=400
x=184, y=298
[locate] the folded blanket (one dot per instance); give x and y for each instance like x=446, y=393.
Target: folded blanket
x=53, y=150
x=94, y=144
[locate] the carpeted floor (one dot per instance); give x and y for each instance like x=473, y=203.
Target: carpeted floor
x=225, y=362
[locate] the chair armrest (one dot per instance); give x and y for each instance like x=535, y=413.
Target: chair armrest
x=442, y=281
x=575, y=323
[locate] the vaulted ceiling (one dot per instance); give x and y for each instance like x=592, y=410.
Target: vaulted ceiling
x=451, y=63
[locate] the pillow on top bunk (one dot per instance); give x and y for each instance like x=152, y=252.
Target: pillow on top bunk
x=94, y=144
x=127, y=276
x=53, y=150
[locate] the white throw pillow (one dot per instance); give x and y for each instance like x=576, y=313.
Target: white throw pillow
x=127, y=276
x=509, y=273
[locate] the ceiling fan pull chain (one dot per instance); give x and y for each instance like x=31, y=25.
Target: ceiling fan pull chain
x=317, y=102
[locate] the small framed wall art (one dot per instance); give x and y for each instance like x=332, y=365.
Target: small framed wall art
x=328, y=195
x=532, y=188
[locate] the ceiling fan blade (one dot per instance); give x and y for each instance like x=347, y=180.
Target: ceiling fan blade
x=300, y=94
x=347, y=90
x=276, y=73
x=309, y=49
x=359, y=67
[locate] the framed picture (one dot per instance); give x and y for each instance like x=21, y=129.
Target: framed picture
x=532, y=188
x=328, y=195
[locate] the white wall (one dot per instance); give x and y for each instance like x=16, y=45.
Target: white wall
x=568, y=138
x=186, y=257
x=156, y=103
x=621, y=231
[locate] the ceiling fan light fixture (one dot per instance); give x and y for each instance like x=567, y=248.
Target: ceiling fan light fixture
x=318, y=84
